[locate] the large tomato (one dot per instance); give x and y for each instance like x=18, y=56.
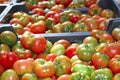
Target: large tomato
x=63, y=2
x=88, y=3
x=100, y=60
x=116, y=33
x=62, y=65
x=7, y=59
x=39, y=44
x=43, y=68
x=111, y=49
x=23, y=66
x=38, y=27
x=114, y=64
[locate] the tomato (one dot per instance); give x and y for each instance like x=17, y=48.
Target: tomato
x=7, y=59
x=58, y=49
x=39, y=44
x=8, y=37
x=29, y=76
x=57, y=18
x=9, y=74
x=62, y=65
x=106, y=38
x=107, y=13
x=21, y=52
x=67, y=26
x=97, y=33
x=82, y=68
x=2, y=69
x=100, y=47
x=38, y=27
x=111, y=49
x=4, y=48
x=63, y=2
x=64, y=17
x=64, y=42
x=26, y=40
x=43, y=68
x=50, y=14
x=74, y=58
x=57, y=8
x=71, y=50
x=51, y=57
x=15, y=20
x=18, y=28
x=57, y=28
x=116, y=77
x=64, y=77
x=80, y=27
x=94, y=9
x=116, y=33
x=90, y=39
x=23, y=66
x=79, y=76
x=74, y=18
x=85, y=52
x=114, y=64
x=103, y=25
x=91, y=23
x=102, y=74
x=38, y=11
x=50, y=22
x=100, y=60
x=88, y=3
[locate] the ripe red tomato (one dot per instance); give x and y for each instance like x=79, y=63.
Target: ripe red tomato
x=38, y=11
x=71, y=50
x=111, y=49
x=38, y=27
x=63, y=2
x=74, y=18
x=100, y=60
x=88, y=3
x=39, y=44
x=7, y=59
x=114, y=64
x=51, y=57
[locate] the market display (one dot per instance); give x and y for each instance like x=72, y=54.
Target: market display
x=60, y=40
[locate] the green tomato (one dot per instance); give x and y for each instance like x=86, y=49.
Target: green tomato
x=29, y=76
x=85, y=51
x=102, y=74
x=9, y=74
x=79, y=76
x=82, y=68
x=58, y=49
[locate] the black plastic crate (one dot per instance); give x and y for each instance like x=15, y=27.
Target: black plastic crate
x=113, y=24
x=71, y=37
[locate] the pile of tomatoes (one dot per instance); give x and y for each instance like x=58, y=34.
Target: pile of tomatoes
x=33, y=57
x=59, y=19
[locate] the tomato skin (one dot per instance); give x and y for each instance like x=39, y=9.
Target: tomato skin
x=71, y=50
x=43, y=68
x=51, y=57
x=74, y=18
x=4, y=48
x=29, y=76
x=62, y=65
x=116, y=77
x=88, y=3
x=63, y=2
x=38, y=27
x=111, y=49
x=100, y=60
x=116, y=33
x=114, y=64
x=7, y=59
x=25, y=66
x=107, y=13
x=39, y=11
x=94, y=9
x=64, y=77
x=39, y=44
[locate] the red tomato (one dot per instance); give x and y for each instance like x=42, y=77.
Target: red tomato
x=88, y=3
x=15, y=20
x=51, y=57
x=71, y=50
x=64, y=42
x=106, y=38
x=74, y=18
x=50, y=14
x=39, y=11
x=38, y=27
x=39, y=44
x=7, y=59
x=2, y=69
x=63, y=2
x=114, y=64
x=23, y=66
x=100, y=60
x=111, y=49
x=103, y=25
x=57, y=8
